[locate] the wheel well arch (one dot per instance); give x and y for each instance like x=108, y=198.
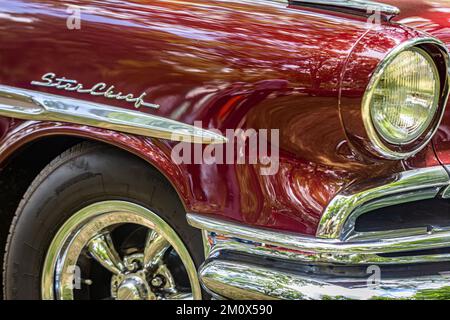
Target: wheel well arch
x=23, y=163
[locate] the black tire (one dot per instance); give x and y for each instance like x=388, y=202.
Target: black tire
x=84, y=174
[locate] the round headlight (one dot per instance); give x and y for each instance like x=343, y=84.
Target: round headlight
x=404, y=97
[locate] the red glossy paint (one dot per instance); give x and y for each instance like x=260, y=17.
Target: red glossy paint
x=4, y=126
x=231, y=64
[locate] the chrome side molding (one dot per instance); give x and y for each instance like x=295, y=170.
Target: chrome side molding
x=361, y=6
x=33, y=105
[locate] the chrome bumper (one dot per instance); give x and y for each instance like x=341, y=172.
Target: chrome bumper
x=245, y=281
x=249, y=263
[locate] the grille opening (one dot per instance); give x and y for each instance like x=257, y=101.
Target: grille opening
x=425, y=252
x=423, y=213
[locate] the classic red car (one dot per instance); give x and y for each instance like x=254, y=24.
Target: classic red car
x=238, y=149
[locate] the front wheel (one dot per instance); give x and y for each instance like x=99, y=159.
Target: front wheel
x=98, y=223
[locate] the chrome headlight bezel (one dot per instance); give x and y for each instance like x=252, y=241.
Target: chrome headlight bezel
x=389, y=149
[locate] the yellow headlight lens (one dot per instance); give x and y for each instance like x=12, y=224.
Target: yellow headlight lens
x=405, y=97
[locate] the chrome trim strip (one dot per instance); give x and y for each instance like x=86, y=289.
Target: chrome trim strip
x=388, y=234
x=32, y=105
x=405, y=186
x=446, y=192
x=366, y=7
x=322, y=248
x=245, y=281
x=376, y=141
x=219, y=243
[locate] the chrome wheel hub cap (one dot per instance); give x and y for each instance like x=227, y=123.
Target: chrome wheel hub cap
x=134, y=287
x=83, y=256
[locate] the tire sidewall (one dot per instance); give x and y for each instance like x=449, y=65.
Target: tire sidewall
x=80, y=177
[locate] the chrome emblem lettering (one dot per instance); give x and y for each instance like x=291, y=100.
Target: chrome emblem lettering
x=98, y=89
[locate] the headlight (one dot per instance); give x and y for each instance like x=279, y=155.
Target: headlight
x=404, y=98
